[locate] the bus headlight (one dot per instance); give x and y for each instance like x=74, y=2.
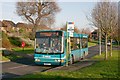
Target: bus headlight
x=58, y=60
x=37, y=60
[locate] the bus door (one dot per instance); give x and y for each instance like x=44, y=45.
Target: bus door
x=68, y=49
x=80, y=48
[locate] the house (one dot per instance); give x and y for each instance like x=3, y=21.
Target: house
x=94, y=35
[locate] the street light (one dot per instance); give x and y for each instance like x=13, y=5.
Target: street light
x=99, y=41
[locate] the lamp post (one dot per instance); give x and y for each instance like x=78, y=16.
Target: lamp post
x=67, y=45
x=99, y=41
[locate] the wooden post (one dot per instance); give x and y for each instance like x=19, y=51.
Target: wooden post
x=106, y=47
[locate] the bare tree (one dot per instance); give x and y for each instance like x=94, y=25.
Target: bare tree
x=116, y=35
x=113, y=23
x=86, y=31
x=38, y=12
x=103, y=18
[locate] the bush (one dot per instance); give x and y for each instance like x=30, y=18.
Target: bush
x=5, y=41
x=15, y=41
x=21, y=30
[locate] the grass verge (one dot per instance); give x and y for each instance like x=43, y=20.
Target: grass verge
x=4, y=58
x=24, y=51
x=13, y=57
x=90, y=44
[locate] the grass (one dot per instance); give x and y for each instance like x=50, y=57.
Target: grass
x=25, y=51
x=116, y=45
x=101, y=69
x=90, y=44
x=13, y=57
x=3, y=58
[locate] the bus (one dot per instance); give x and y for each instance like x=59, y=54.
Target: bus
x=56, y=47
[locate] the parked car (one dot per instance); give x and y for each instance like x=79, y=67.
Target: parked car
x=108, y=43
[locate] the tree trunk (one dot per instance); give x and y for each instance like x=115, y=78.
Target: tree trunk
x=106, y=47
x=118, y=43
x=34, y=30
x=111, y=47
x=99, y=42
x=32, y=34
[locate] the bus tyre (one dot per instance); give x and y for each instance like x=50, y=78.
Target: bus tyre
x=83, y=56
x=72, y=60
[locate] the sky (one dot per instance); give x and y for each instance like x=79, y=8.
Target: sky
x=74, y=12
x=71, y=11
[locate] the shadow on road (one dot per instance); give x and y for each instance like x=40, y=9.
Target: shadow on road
x=25, y=61
x=17, y=57
x=8, y=75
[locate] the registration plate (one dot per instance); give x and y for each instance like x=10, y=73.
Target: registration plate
x=46, y=56
x=47, y=63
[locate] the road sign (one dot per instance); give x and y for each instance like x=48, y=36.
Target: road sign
x=70, y=28
x=23, y=44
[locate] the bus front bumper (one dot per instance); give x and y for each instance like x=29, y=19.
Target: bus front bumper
x=50, y=63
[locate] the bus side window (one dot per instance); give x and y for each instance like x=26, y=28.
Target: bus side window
x=71, y=40
x=84, y=43
x=75, y=43
x=78, y=43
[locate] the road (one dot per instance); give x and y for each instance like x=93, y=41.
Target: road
x=94, y=50
x=27, y=66
x=21, y=67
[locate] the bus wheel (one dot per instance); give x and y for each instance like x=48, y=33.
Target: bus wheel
x=72, y=60
x=83, y=56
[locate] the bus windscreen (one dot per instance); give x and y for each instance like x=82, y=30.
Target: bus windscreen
x=49, y=42
x=49, y=45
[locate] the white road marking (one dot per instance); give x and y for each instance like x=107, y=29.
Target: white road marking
x=18, y=66
x=21, y=66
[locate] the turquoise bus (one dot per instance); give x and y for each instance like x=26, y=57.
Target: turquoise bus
x=56, y=47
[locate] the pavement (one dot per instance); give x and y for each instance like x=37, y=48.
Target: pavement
x=73, y=67
x=4, y=61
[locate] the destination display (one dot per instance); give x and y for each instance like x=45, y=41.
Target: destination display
x=48, y=34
